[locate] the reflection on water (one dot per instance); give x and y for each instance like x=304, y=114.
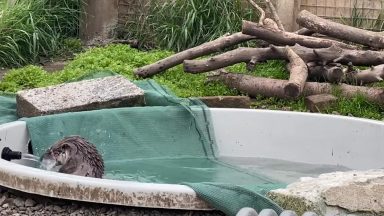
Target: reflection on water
x=281, y=170
x=239, y=171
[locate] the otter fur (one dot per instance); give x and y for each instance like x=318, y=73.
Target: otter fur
x=74, y=155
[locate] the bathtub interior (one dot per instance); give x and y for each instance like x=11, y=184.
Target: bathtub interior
x=244, y=138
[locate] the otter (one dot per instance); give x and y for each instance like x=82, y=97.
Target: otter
x=74, y=155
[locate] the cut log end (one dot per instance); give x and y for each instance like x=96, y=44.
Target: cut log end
x=292, y=90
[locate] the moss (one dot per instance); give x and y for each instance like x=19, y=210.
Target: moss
x=297, y=204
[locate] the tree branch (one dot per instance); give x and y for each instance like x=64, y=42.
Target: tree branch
x=287, y=38
x=203, y=49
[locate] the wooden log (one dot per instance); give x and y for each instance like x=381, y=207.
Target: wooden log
x=340, y=31
x=304, y=31
x=204, y=49
x=255, y=86
x=275, y=15
x=229, y=58
x=298, y=72
x=371, y=75
x=331, y=54
x=276, y=36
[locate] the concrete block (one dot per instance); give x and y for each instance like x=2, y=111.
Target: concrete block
x=338, y=193
x=227, y=101
x=318, y=103
x=107, y=92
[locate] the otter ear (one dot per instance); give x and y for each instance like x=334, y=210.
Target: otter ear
x=69, y=147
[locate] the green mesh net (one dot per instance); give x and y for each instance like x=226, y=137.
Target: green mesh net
x=167, y=141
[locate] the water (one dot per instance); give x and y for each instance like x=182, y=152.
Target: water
x=240, y=171
x=29, y=160
x=282, y=170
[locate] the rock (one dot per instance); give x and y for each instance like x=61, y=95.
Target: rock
x=336, y=193
x=58, y=209
x=2, y=200
x=19, y=202
x=247, y=212
x=5, y=205
x=365, y=196
x=268, y=212
x=54, y=66
x=30, y=203
x=318, y=103
x=107, y=92
x=288, y=213
x=227, y=101
x=37, y=207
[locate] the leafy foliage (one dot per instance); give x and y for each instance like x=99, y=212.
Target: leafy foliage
x=180, y=24
x=33, y=28
x=123, y=60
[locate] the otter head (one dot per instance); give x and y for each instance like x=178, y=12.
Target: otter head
x=74, y=155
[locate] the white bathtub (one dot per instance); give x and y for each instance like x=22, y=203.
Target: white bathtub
x=292, y=136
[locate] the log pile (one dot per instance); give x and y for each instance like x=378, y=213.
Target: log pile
x=316, y=64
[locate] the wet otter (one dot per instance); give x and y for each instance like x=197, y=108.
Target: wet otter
x=74, y=155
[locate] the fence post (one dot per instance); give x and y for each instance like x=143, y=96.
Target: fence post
x=98, y=20
x=288, y=10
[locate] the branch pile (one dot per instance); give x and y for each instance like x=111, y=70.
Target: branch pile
x=326, y=61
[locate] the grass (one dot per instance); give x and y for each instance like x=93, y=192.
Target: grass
x=33, y=28
x=123, y=60
x=181, y=24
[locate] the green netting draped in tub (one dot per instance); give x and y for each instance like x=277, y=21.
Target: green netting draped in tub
x=168, y=141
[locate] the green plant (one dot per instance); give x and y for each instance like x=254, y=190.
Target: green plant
x=33, y=28
x=180, y=24
x=123, y=60
x=25, y=78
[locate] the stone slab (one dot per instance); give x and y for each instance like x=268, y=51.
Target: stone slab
x=339, y=193
x=227, y=101
x=107, y=92
x=320, y=102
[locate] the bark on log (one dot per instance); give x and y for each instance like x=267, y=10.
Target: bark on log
x=325, y=55
x=279, y=37
x=371, y=75
x=344, y=56
x=340, y=31
x=298, y=73
x=304, y=31
x=275, y=15
x=229, y=58
x=255, y=86
x=204, y=49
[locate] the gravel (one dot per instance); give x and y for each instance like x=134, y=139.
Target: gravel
x=21, y=204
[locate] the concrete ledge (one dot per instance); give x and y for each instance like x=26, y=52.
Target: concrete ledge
x=107, y=92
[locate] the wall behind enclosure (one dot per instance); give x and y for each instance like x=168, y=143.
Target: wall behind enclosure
x=367, y=14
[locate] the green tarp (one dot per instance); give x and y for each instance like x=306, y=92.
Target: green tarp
x=168, y=141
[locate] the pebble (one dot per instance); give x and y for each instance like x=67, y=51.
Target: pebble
x=19, y=202
x=30, y=203
x=22, y=205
